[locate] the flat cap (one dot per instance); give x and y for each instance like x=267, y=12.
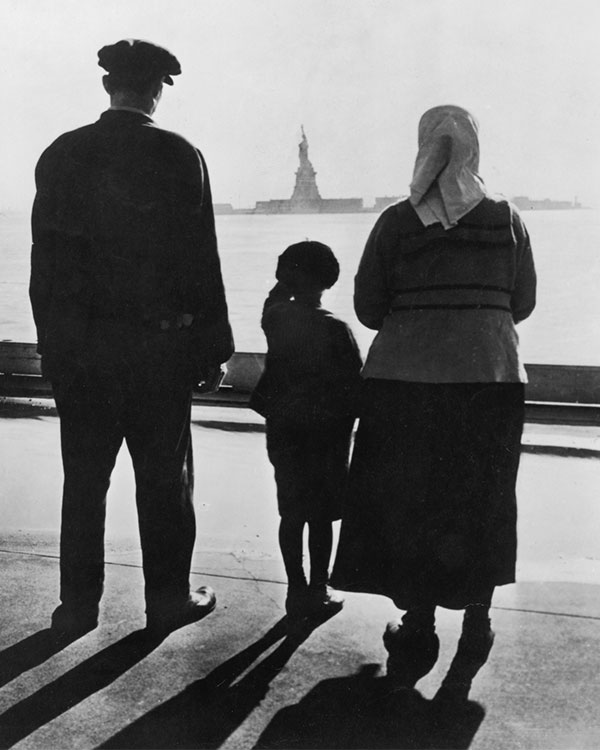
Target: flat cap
x=137, y=57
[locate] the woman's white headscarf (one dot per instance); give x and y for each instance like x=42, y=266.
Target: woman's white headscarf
x=445, y=184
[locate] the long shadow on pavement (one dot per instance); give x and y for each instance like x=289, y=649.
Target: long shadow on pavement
x=209, y=710
x=362, y=711
x=28, y=653
x=71, y=688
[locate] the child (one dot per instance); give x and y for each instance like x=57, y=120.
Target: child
x=307, y=394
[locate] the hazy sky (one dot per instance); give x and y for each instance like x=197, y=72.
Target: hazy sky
x=356, y=73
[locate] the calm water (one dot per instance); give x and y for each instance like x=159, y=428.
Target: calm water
x=564, y=329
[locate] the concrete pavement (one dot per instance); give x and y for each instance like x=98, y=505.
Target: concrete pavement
x=234, y=680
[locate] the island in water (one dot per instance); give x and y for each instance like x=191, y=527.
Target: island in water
x=306, y=198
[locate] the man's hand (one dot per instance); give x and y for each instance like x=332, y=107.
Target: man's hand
x=211, y=378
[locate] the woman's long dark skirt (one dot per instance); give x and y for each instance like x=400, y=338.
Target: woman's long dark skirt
x=431, y=512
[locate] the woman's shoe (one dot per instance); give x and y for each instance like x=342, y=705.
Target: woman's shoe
x=412, y=653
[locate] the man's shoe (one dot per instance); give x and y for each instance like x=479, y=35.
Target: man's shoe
x=324, y=601
x=296, y=602
x=199, y=604
x=71, y=622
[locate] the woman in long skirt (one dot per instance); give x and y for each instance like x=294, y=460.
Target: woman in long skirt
x=431, y=513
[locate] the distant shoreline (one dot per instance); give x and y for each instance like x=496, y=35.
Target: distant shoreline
x=284, y=208
x=226, y=209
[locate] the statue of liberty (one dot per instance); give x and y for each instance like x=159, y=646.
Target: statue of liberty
x=306, y=193
x=303, y=150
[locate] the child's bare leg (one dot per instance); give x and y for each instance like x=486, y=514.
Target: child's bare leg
x=291, y=532
x=320, y=543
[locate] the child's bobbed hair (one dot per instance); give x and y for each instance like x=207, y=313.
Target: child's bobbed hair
x=308, y=263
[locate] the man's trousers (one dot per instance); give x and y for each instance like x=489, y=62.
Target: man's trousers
x=144, y=398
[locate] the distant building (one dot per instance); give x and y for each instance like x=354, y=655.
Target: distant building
x=306, y=198
x=223, y=208
x=341, y=205
x=525, y=203
x=281, y=206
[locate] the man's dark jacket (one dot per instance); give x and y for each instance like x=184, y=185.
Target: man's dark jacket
x=123, y=230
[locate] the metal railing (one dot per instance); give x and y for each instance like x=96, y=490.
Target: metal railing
x=555, y=394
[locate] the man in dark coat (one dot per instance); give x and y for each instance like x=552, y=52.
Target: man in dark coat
x=130, y=311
